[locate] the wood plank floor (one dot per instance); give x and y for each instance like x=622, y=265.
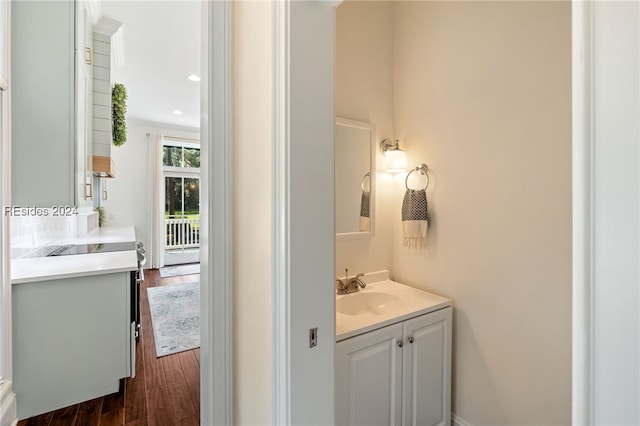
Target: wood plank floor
x=165, y=391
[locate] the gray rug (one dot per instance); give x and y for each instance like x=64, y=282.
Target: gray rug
x=174, y=271
x=175, y=315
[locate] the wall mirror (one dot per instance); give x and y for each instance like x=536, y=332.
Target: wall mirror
x=354, y=179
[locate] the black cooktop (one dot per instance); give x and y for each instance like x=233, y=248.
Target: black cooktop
x=90, y=248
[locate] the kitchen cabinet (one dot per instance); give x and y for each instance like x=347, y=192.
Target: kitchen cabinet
x=73, y=340
x=43, y=103
x=396, y=375
x=52, y=103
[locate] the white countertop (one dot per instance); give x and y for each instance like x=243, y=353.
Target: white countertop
x=410, y=302
x=32, y=269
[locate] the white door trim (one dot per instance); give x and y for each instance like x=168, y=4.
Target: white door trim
x=216, y=369
x=281, y=256
x=583, y=198
x=7, y=396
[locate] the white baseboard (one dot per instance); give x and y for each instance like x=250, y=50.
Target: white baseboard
x=457, y=421
x=8, y=415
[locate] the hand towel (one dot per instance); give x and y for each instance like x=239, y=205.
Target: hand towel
x=365, y=219
x=414, y=218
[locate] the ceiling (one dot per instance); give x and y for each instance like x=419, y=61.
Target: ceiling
x=161, y=43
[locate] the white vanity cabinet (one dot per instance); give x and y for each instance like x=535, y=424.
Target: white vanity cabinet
x=397, y=375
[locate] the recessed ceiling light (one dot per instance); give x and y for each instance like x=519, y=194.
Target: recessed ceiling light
x=177, y=112
x=194, y=77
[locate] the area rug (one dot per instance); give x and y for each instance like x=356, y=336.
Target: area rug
x=175, y=315
x=174, y=271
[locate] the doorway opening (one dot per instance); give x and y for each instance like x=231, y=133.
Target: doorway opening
x=181, y=216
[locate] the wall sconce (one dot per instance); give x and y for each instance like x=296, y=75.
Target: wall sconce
x=395, y=160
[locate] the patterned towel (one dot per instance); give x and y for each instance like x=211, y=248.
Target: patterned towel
x=365, y=220
x=414, y=218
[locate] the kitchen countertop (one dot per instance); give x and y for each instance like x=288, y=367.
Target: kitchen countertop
x=31, y=269
x=413, y=302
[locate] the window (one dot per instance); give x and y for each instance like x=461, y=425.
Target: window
x=182, y=156
x=181, y=166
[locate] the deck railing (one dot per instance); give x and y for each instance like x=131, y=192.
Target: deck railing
x=182, y=232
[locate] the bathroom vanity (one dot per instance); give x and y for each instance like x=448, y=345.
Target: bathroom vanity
x=393, y=355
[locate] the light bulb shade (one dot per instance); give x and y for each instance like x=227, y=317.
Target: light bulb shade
x=395, y=161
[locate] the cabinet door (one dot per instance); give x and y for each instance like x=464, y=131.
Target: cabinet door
x=368, y=378
x=427, y=370
x=42, y=103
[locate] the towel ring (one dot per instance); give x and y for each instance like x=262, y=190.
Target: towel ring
x=422, y=168
x=367, y=175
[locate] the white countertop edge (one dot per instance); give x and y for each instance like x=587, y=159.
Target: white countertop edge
x=79, y=265
x=107, y=234
x=391, y=321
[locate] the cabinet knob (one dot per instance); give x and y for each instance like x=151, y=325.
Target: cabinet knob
x=400, y=343
x=410, y=339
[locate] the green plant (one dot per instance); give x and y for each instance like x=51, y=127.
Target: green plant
x=118, y=112
x=100, y=211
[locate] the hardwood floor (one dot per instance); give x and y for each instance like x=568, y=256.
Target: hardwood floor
x=165, y=391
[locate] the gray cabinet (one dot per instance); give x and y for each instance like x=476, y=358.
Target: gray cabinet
x=43, y=103
x=72, y=340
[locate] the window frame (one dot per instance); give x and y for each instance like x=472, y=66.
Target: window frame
x=167, y=142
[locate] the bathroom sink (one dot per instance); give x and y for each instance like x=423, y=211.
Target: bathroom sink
x=383, y=302
x=372, y=303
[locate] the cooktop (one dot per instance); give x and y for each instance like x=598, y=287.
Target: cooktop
x=89, y=248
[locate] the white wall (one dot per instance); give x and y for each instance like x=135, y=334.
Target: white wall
x=129, y=193
x=616, y=212
x=364, y=92
x=252, y=188
x=310, y=240
x=482, y=94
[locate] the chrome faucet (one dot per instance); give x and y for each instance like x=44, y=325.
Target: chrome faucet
x=349, y=285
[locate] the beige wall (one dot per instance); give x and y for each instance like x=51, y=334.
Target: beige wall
x=252, y=331
x=482, y=95
x=364, y=92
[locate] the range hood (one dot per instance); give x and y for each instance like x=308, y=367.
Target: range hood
x=103, y=167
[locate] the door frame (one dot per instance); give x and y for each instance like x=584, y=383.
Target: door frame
x=7, y=396
x=217, y=365
x=582, y=196
x=216, y=368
